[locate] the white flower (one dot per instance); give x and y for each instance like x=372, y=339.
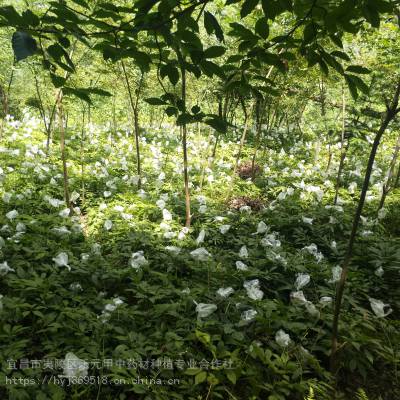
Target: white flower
x=202, y=209
x=166, y=215
x=312, y=310
x=61, y=260
x=74, y=196
x=12, y=214
x=307, y=220
x=20, y=227
x=200, y=238
x=378, y=307
x=241, y=266
x=282, y=338
x=4, y=268
x=224, y=228
x=243, y=253
x=298, y=297
x=248, y=315
x=204, y=310
x=76, y=287
x=201, y=199
x=270, y=240
x=313, y=249
x=325, y=300
x=64, y=213
x=200, y=254
x=379, y=272
x=253, y=289
x=225, y=292
x=138, y=260
x=183, y=232
x=96, y=249
x=173, y=249
x=160, y=204
x=108, y=225
x=262, y=227
x=55, y=202
x=301, y=281
x=169, y=235
x=336, y=273
x=7, y=197
x=75, y=367
x=382, y=213
x=118, y=208
x=107, y=193
x=62, y=230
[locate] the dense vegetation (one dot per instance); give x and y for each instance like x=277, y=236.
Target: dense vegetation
x=199, y=199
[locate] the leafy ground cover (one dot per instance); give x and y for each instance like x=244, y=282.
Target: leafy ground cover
x=239, y=306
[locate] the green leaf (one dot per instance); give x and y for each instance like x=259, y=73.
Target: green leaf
x=11, y=17
x=262, y=28
x=358, y=69
x=211, y=25
x=247, y=7
x=170, y=111
x=30, y=18
x=352, y=87
x=217, y=123
x=361, y=85
x=155, y=101
x=214, y=52
x=57, y=81
x=340, y=54
x=171, y=71
x=231, y=376
x=99, y=92
x=200, y=377
x=195, y=109
x=183, y=119
x=23, y=45
x=82, y=94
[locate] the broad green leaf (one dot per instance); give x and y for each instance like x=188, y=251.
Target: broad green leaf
x=211, y=25
x=262, y=28
x=358, y=69
x=155, y=101
x=23, y=45
x=200, y=377
x=214, y=52
x=247, y=7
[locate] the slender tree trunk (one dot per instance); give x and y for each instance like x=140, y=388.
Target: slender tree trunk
x=134, y=105
x=388, y=184
x=83, y=194
x=258, y=140
x=342, y=148
x=63, y=155
x=243, y=138
x=397, y=180
x=6, y=98
x=184, y=141
x=391, y=111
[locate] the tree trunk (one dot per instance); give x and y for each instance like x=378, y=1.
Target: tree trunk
x=134, y=105
x=243, y=138
x=63, y=156
x=184, y=141
x=342, y=148
x=387, y=187
x=391, y=111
